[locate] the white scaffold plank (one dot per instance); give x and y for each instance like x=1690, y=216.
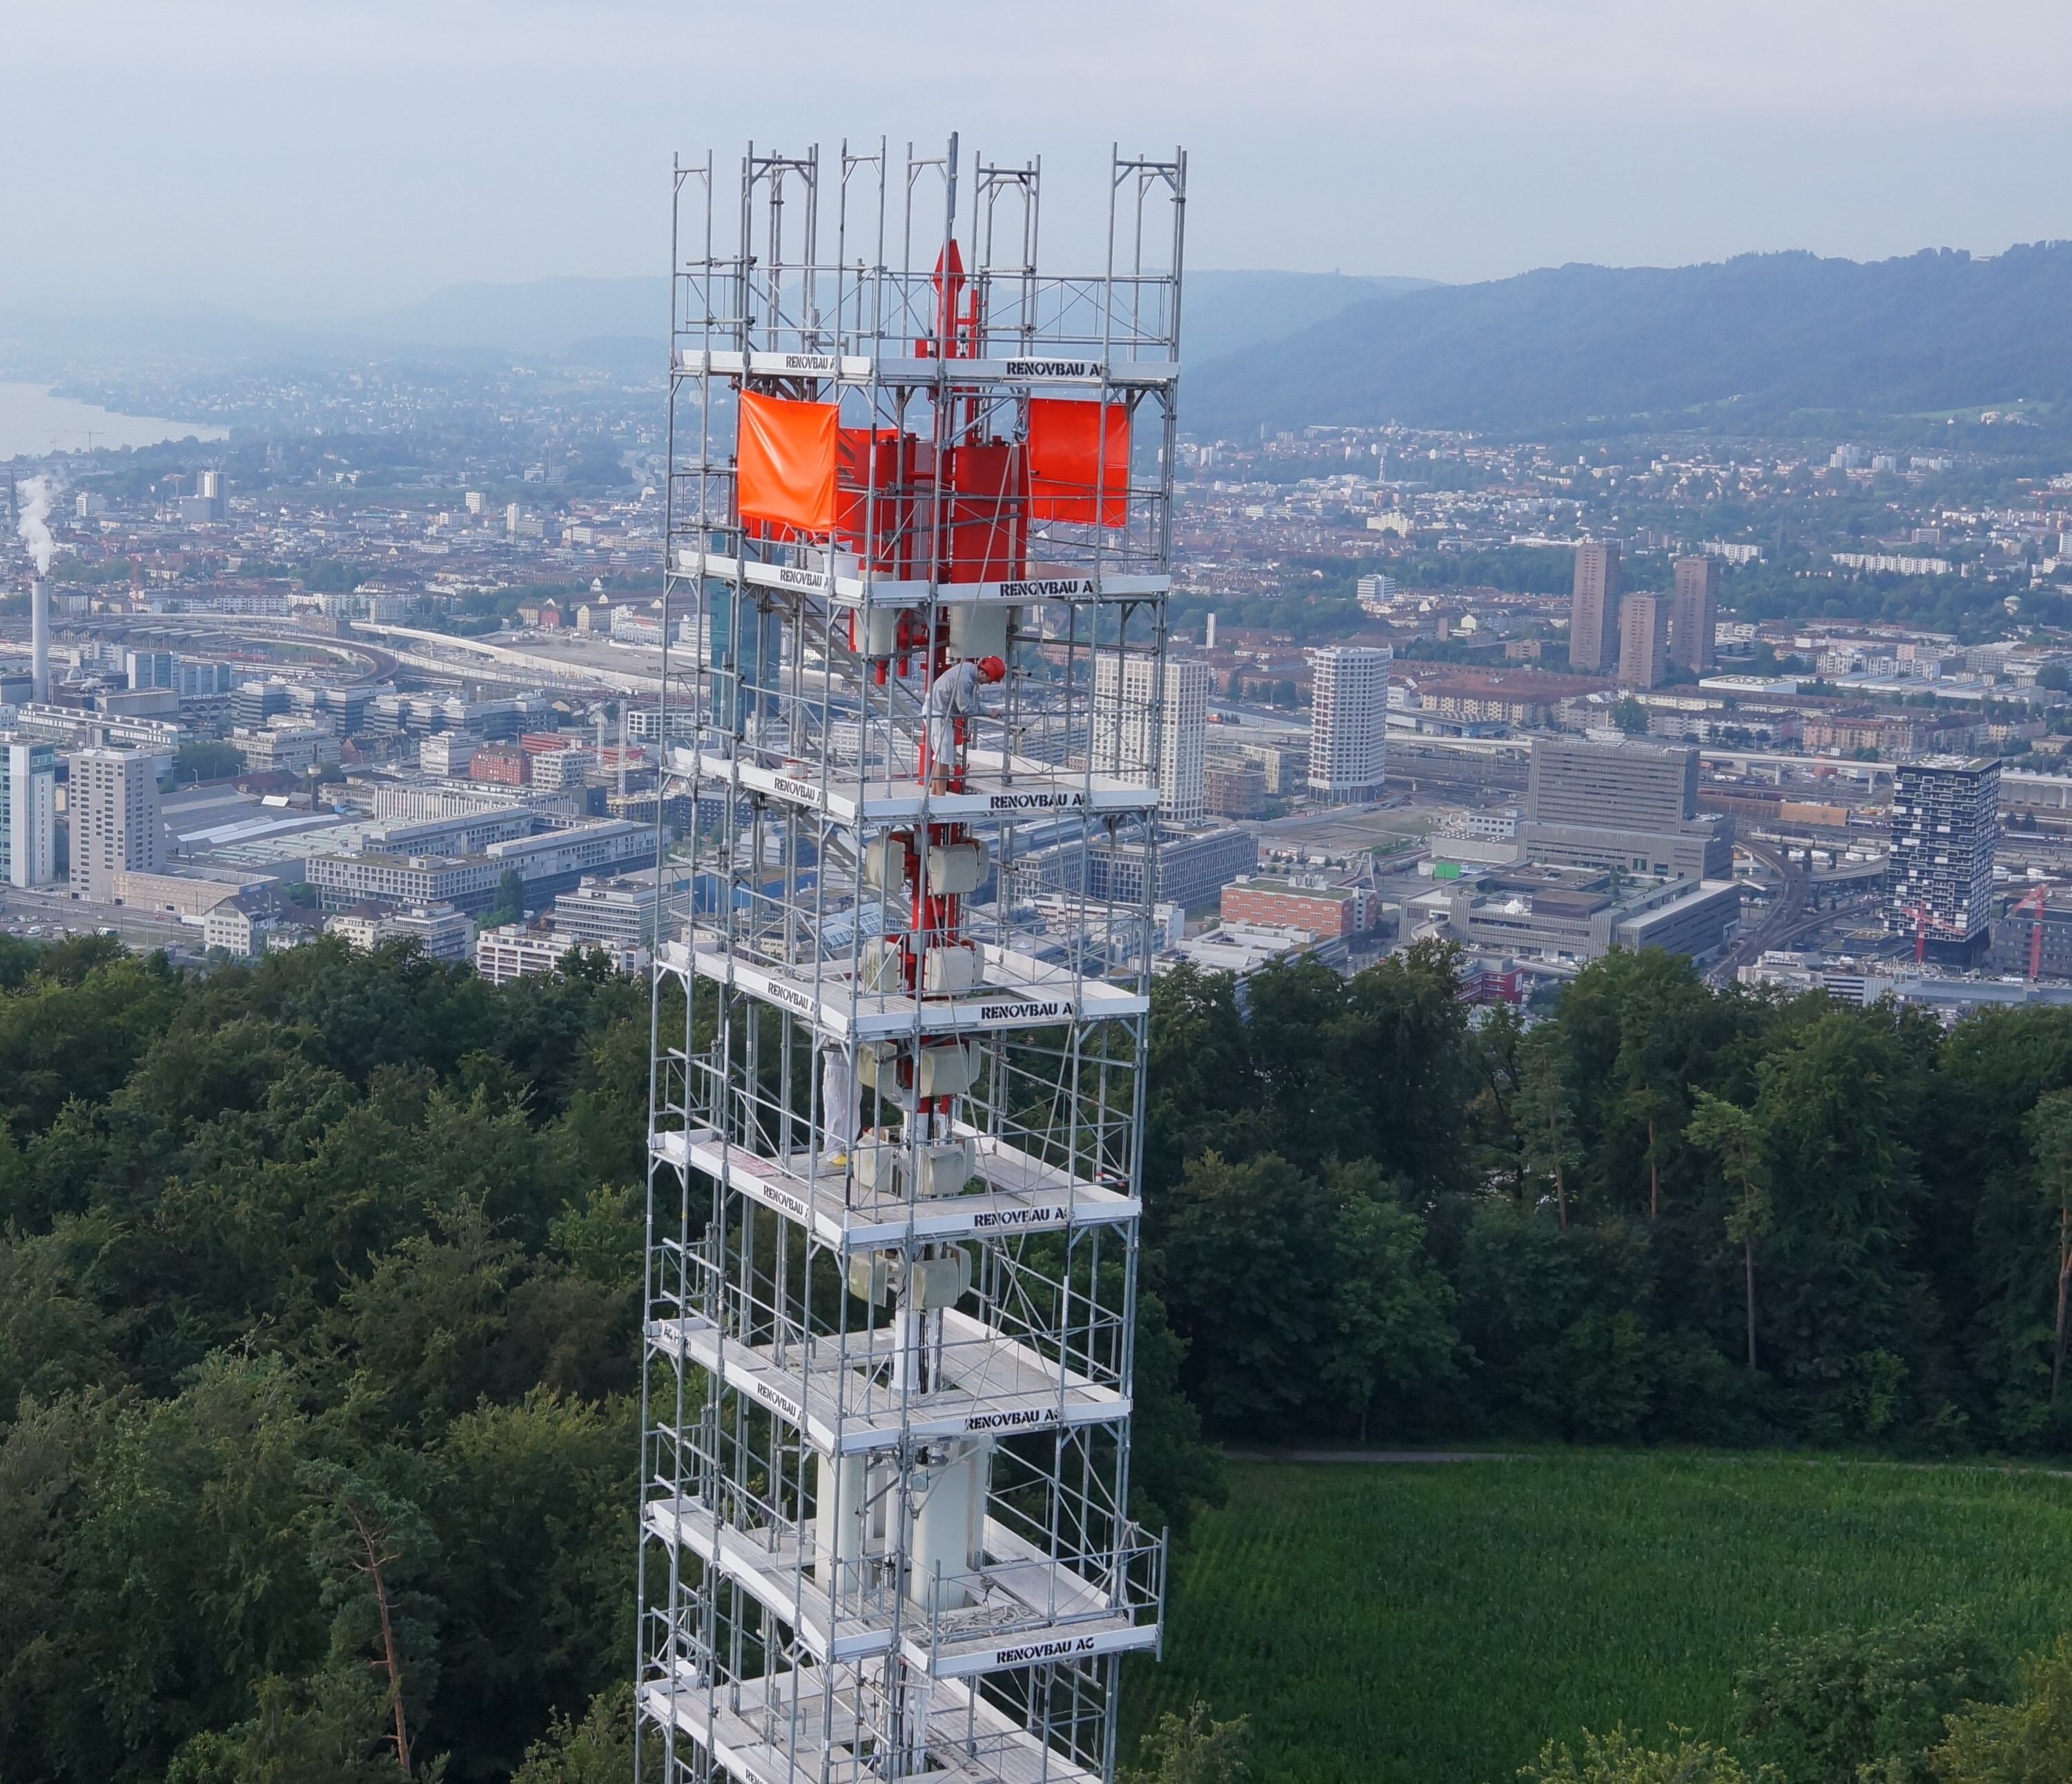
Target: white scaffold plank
x=772, y=1570
x=991, y=1385
x=1029, y=1611
x=791, y=1728
x=835, y=1009
x=1063, y=367
x=851, y=588
x=1023, y=1193
x=995, y=788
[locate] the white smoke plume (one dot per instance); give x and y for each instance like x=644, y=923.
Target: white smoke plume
x=35, y=499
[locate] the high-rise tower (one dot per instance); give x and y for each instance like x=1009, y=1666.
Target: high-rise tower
x=1349, y=721
x=1593, y=606
x=919, y=518
x=115, y=822
x=1697, y=613
x=1133, y=704
x=1643, y=658
x=1939, y=879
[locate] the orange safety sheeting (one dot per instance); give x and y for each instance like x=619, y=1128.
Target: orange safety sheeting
x=875, y=473
x=986, y=531
x=1071, y=446
x=785, y=462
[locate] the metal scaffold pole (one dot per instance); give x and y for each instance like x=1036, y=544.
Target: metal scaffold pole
x=919, y=519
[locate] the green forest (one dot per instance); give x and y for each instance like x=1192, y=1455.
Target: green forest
x=319, y=1283
x=1666, y=1213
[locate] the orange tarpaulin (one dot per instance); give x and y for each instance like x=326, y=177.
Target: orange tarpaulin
x=785, y=461
x=1072, y=446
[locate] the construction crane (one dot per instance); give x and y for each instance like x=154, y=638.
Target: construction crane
x=1922, y=916
x=2032, y=903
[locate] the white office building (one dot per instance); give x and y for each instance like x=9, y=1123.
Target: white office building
x=28, y=813
x=1124, y=723
x=1349, y=721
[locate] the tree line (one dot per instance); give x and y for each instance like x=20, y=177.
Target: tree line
x=1663, y=1211
x=318, y=1301
x=319, y=1363
x=320, y=1281
x=1924, y=1700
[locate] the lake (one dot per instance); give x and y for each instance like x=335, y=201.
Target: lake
x=33, y=422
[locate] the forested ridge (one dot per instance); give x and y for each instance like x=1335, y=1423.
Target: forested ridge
x=319, y=1283
x=1759, y=342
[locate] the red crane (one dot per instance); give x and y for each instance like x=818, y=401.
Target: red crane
x=1920, y=915
x=2032, y=902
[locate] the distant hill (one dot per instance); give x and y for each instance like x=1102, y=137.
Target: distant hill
x=1223, y=312
x=538, y=316
x=618, y=323
x=1748, y=341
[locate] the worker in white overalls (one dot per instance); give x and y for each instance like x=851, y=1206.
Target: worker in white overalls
x=838, y=1102
x=953, y=699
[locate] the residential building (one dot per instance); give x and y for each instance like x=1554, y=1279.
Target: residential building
x=511, y=950
x=28, y=812
x=1127, y=716
x=1643, y=641
x=554, y=770
x=501, y=765
x=1940, y=884
x=1349, y=721
x=602, y=912
x=1694, y=612
x=255, y=922
x=112, y=804
x=1593, y=606
x=444, y=933
x=1234, y=791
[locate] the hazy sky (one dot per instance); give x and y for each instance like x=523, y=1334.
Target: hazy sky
x=322, y=157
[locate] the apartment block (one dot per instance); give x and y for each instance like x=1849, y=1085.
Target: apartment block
x=113, y=806
x=1693, y=612
x=1945, y=827
x=1349, y=721
x=1593, y=606
x=1643, y=641
x=1127, y=715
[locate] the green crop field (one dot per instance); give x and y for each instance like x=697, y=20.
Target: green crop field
x=1433, y=1623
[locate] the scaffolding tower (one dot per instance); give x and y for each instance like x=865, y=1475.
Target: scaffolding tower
x=919, y=521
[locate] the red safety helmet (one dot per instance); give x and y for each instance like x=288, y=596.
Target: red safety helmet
x=992, y=668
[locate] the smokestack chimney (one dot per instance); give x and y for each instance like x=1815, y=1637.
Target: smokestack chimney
x=39, y=642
